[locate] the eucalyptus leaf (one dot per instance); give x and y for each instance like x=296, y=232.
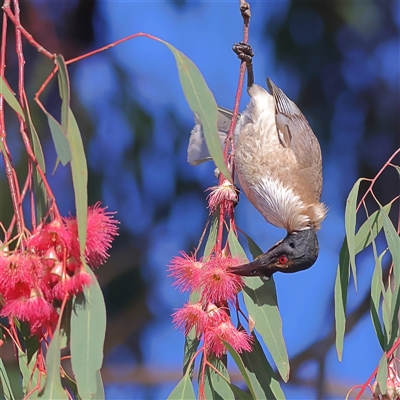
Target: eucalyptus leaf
x=241, y=367
x=261, y=374
x=183, y=390
x=5, y=382
x=79, y=177
x=340, y=297
x=53, y=388
x=88, y=326
x=202, y=103
x=217, y=387
x=376, y=291
x=382, y=374
x=10, y=98
x=350, y=226
x=261, y=305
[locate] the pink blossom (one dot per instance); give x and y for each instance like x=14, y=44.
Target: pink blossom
x=190, y=316
x=71, y=285
x=216, y=283
x=225, y=331
x=101, y=231
x=54, y=235
x=18, y=274
x=185, y=270
x=35, y=310
x=224, y=195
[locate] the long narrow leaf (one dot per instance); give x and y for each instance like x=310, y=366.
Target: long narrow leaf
x=53, y=388
x=341, y=285
x=350, y=225
x=183, y=390
x=262, y=307
x=202, y=102
x=393, y=241
x=241, y=367
x=5, y=382
x=255, y=252
x=369, y=229
x=261, y=374
x=376, y=292
x=10, y=98
x=217, y=386
x=40, y=192
x=63, y=85
x=30, y=374
x=212, y=236
x=60, y=140
x=79, y=177
x=88, y=327
x=382, y=374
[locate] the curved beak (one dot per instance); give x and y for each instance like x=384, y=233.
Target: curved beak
x=263, y=266
x=296, y=252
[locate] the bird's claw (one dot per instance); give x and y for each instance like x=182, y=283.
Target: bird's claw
x=243, y=51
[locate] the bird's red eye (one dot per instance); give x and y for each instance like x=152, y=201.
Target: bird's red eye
x=283, y=260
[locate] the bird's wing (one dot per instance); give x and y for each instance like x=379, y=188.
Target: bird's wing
x=295, y=133
x=197, y=149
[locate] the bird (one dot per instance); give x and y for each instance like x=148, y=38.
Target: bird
x=278, y=164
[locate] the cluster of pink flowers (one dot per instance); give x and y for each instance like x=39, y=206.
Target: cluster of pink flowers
x=209, y=317
x=34, y=282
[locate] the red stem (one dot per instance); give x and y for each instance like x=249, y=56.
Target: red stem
x=15, y=20
x=376, y=177
x=389, y=353
x=229, y=139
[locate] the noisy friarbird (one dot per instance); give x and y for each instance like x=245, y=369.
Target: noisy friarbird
x=278, y=165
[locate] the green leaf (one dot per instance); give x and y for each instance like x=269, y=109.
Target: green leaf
x=217, y=387
x=212, y=236
x=382, y=374
x=261, y=374
x=341, y=285
x=30, y=374
x=191, y=343
x=88, y=327
x=60, y=140
x=10, y=98
x=53, y=388
x=99, y=395
x=63, y=85
x=183, y=390
x=5, y=382
x=350, y=225
x=393, y=241
x=40, y=191
x=370, y=229
x=202, y=102
x=260, y=300
x=255, y=252
x=241, y=367
x=376, y=290
x=79, y=177
x=253, y=246
x=239, y=393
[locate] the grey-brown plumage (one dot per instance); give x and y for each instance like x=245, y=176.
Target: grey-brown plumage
x=279, y=167
x=278, y=161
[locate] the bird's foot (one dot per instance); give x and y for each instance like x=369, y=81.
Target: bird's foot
x=243, y=51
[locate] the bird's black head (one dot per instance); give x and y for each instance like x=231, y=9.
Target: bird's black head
x=296, y=252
